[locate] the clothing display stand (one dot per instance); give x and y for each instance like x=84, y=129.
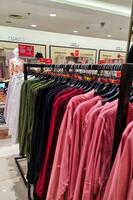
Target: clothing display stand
x=125, y=84
x=122, y=112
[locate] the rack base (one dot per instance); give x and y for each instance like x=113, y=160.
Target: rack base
x=27, y=184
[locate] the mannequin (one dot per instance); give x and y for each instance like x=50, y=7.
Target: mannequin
x=11, y=111
x=15, y=64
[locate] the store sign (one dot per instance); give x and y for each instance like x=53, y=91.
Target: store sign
x=118, y=49
x=74, y=45
x=45, y=60
x=76, y=53
x=16, y=39
x=25, y=50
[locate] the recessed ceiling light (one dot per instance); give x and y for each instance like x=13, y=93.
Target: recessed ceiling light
x=75, y=31
x=8, y=22
x=52, y=15
x=14, y=16
x=109, y=36
x=34, y=25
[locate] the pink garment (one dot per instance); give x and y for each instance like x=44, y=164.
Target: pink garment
x=100, y=149
x=65, y=127
x=120, y=183
x=99, y=165
x=90, y=121
x=73, y=147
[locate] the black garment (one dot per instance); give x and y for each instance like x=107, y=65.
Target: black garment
x=43, y=109
x=39, y=55
x=40, y=100
x=46, y=123
x=130, y=55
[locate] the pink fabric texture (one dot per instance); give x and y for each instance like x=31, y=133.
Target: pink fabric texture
x=73, y=147
x=78, y=139
x=65, y=127
x=101, y=147
x=90, y=121
x=120, y=183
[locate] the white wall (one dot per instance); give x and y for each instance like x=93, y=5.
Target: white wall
x=48, y=38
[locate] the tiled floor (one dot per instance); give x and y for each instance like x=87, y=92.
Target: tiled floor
x=11, y=183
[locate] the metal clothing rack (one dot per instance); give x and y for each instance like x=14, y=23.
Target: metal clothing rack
x=122, y=111
x=126, y=81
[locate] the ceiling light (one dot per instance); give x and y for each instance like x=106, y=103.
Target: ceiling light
x=14, y=16
x=109, y=36
x=33, y=25
x=8, y=22
x=75, y=31
x=98, y=5
x=52, y=15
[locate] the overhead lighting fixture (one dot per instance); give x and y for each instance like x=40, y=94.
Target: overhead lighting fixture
x=14, y=16
x=8, y=22
x=109, y=36
x=52, y=15
x=98, y=5
x=33, y=25
x=75, y=31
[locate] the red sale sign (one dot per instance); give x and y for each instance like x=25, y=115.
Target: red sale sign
x=45, y=60
x=76, y=53
x=25, y=50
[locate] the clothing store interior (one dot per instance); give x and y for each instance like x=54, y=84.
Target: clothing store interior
x=66, y=100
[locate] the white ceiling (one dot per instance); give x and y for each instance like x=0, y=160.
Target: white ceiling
x=68, y=18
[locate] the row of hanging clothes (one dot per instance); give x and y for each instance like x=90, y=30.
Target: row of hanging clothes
x=66, y=129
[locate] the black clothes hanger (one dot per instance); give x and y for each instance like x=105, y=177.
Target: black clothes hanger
x=112, y=98
x=87, y=86
x=71, y=82
x=79, y=84
x=131, y=99
x=93, y=85
x=111, y=92
x=104, y=90
x=100, y=86
x=131, y=95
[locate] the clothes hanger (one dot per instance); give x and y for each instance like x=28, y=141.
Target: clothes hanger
x=107, y=87
x=112, y=98
x=111, y=92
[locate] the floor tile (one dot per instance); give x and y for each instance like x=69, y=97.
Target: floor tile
x=11, y=183
x=13, y=189
x=7, y=148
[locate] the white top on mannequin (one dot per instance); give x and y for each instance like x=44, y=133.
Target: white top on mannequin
x=15, y=52
x=16, y=64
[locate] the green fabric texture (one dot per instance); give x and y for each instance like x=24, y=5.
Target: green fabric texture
x=23, y=100
x=29, y=93
x=33, y=94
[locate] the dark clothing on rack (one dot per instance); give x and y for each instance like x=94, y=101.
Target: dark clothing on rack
x=58, y=110
x=40, y=130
